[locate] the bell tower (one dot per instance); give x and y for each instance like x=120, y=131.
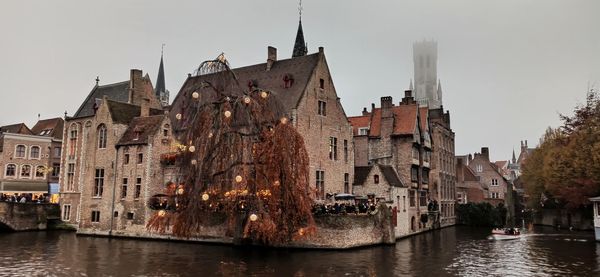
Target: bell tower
x=428, y=90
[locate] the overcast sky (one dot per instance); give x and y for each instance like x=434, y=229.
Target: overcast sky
x=507, y=68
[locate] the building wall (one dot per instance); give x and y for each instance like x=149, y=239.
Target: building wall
x=317, y=129
x=8, y=157
x=487, y=174
x=443, y=171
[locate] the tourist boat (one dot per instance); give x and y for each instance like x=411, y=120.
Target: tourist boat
x=506, y=234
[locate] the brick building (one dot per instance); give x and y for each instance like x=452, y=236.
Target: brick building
x=468, y=187
x=488, y=175
x=30, y=158
x=304, y=87
x=398, y=136
x=117, y=134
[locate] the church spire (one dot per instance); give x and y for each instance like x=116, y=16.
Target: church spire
x=161, y=92
x=300, y=48
x=514, y=159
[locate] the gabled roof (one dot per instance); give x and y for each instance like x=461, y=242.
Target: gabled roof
x=116, y=92
x=52, y=127
x=360, y=174
x=358, y=122
x=19, y=128
x=299, y=69
x=469, y=175
x=123, y=113
x=424, y=114
x=140, y=129
x=389, y=173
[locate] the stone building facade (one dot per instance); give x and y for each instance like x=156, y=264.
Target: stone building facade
x=304, y=87
x=399, y=136
x=443, y=168
x=468, y=187
x=30, y=158
x=488, y=175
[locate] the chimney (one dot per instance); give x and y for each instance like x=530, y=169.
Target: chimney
x=386, y=102
x=271, y=56
x=469, y=159
x=408, y=99
x=321, y=49
x=372, y=107
x=145, y=108
x=365, y=112
x=485, y=152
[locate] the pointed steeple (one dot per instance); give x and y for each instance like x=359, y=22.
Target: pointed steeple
x=160, y=79
x=300, y=48
x=439, y=91
x=514, y=159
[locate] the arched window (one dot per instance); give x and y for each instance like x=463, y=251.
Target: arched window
x=11, y=170
x=40, y=171
x=20, y=151
x=101, y=136
x=34, y=152
x=25, y=171
x=72, y=141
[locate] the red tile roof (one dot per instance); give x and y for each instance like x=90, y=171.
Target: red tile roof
x=405, y=119
x=424, y=114
x=359, y=122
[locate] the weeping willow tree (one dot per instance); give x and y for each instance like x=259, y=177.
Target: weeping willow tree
x=239, y=158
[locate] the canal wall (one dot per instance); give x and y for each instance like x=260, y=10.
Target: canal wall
x=563, y=218
x=332, y=232
x=27, y=216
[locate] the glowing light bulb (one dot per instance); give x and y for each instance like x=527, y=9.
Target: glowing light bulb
x=180, y=191
x=227, y=114
x=195, y=95
x=247, y=100
x=253, y=217
x=264, y=94
x=238, y=179
x=283, y=120
x=210, y=135
x=178, y=116
x=194, y=162
x=192, y=148
x=161, y=213
x=205, y=197
x=276, y=183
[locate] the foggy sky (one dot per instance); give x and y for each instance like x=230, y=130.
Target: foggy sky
x=507, y=68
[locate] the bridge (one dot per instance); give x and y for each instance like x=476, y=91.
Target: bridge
x=27, y=216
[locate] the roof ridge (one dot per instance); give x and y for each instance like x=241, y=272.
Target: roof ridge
x=113, y=84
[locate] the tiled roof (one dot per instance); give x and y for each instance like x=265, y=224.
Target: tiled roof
x=360, y=174
x=116, y=92
x=424, y=114
x=139, y=129
x=19, y=128
x=299, y=69
x=405, y=119
x=52, y=127
x=359, y=122
x=123, y=113
x=390, y=175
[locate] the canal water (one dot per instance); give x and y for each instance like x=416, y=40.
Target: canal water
x=454, y=251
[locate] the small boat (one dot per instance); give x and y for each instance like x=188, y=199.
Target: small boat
x=506, y=234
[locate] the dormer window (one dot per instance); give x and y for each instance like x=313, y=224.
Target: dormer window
x=363, y=131
x=288, y=81
x=137, y=132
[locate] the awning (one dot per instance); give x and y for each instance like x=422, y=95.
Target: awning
x=23, y=187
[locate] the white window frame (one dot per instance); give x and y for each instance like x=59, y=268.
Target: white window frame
x=24, y=153
x=21, y=172
x=363, y=131
x=36, y=171
x=39, y=157
x=479, y=168
x=66, y=212
x=16, y=170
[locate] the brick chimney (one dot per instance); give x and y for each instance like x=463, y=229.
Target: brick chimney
x=145, y=107
x=408, y=98
x=271, y=56
x=364, y=111
x=386, y=106
x=485, y=152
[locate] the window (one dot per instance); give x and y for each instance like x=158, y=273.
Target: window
x=320, y=184
x=55, y=169
x=101, y=136
x=363, y=131
x=72, y=143
x=411, y=198
x=322, y=108
x=346, y=183
x=95, y=216
x=124, y=189
x=422, y=198
x=40, y=171
x=427, y=156
x=129, y=215
x=116, y=214
x=70, y=176
x=126, y=159
x=494, y=182
x=479, y=168
x=376, y=179
x=57, y=151
x=346, y=150
x=25, y=171
x=414, y=174
x=20, y=151
x=66, y=212
x=34, y=152
x=140, y=158
x=321, y=83
x=99, y=182
x=404, y=203
x=11, y=170
x=333, y=148
x=415, y=153
x=138, y=188
x=425, y=176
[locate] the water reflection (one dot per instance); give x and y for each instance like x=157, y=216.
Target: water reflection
x=449, y=252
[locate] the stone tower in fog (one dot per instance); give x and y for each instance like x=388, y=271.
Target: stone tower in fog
x=428, y=89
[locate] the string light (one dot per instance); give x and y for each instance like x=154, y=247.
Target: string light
x=195, y=95
x=247, y=100
x=194, y=162
x=253, y=217
x=192, y=149
x=283, y=120
x=276, y=183
x=180, y=191
x=210, y=135
x=227, y=114
x=161, y=213
x=238, y=179
x=264, y=94
x=178, y=116
x=205, y=196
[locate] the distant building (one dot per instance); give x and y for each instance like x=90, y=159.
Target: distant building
x=30, y=158
x=489, y=175
x=427, y=88
x=398, y=137
x=160, y=91
x=469, y=189
x=596, y=214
